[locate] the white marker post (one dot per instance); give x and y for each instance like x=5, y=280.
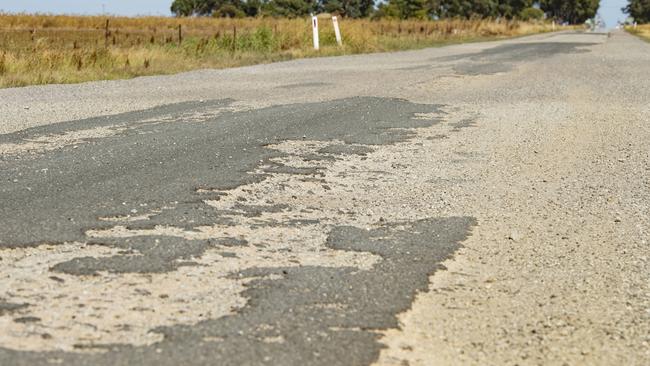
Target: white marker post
x=554, y=26
x=337, y=31
x=314, y=25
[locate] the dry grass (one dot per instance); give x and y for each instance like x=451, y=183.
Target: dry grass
x=642, y=30
x=41, y=49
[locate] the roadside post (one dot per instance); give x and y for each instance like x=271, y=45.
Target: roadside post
x=337, y=31
x=314, y=25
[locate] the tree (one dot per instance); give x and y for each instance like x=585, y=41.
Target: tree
x=185, y=8
x=573, y=11
x=217, y=8
x=463, y=8
x=531, y=14
x=404, y=9
x=252, y=7
x=513, y=8
x=290, y=8
x=229, y=11
x=401, y=9
x=639, y=10
x=367, y=7
x=349, y=8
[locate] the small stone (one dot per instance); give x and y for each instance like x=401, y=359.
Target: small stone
x=57, y=279
x=27, y=319
x=515, y=236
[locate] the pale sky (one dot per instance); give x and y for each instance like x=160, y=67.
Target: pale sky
x=609, y=9
x=117, y=7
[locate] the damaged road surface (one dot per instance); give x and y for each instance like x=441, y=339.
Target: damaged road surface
x=97, y=223
x=444, y=214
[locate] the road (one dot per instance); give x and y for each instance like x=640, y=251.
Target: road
x=484, y=203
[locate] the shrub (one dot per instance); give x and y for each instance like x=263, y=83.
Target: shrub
x=531, y=14
x=229, y=11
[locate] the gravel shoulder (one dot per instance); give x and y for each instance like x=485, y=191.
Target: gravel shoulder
x=557, y=272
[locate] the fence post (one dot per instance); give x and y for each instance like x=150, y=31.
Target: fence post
x=314, y=25
x=106, y=33
x=180, y=35
x=337, y=31
x=234, y=38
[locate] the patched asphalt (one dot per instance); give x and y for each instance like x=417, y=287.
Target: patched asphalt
x=55, y=197
x=324, y=316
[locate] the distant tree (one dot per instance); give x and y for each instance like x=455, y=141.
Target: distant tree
x=512, y=8
x=453, y=8
x=571, y=11
x=251, y=7
x=463, y=8
x=367, y=7
x=401, y=9
x=290, y=8
x=182, y=8
x=217, y=8
x=639, y=10
x=348, y=8
x=531, y=14
x=404, y=9
x=185, y=8
x=229, y=10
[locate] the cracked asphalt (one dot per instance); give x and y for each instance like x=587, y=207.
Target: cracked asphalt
x=483, y=203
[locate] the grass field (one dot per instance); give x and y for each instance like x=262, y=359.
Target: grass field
x=642, y=30
x=42, y=49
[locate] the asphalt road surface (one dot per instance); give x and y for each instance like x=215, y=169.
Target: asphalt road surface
x=483, y=203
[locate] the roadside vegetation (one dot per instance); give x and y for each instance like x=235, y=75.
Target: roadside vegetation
x=642, y=30
x=40, y=49
x=639, y=11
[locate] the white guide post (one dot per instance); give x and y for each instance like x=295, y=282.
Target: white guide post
x=314, y=25
x=337, y=31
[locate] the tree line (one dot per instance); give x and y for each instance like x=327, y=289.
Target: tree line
x=571, y=11
x=639, y=10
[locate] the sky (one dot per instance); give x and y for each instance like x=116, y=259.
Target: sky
x=610, y=10
x=117, y=7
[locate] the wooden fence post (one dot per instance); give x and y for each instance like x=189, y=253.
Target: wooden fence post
x=180, y=35
x=106, y=33
x=234, y=38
